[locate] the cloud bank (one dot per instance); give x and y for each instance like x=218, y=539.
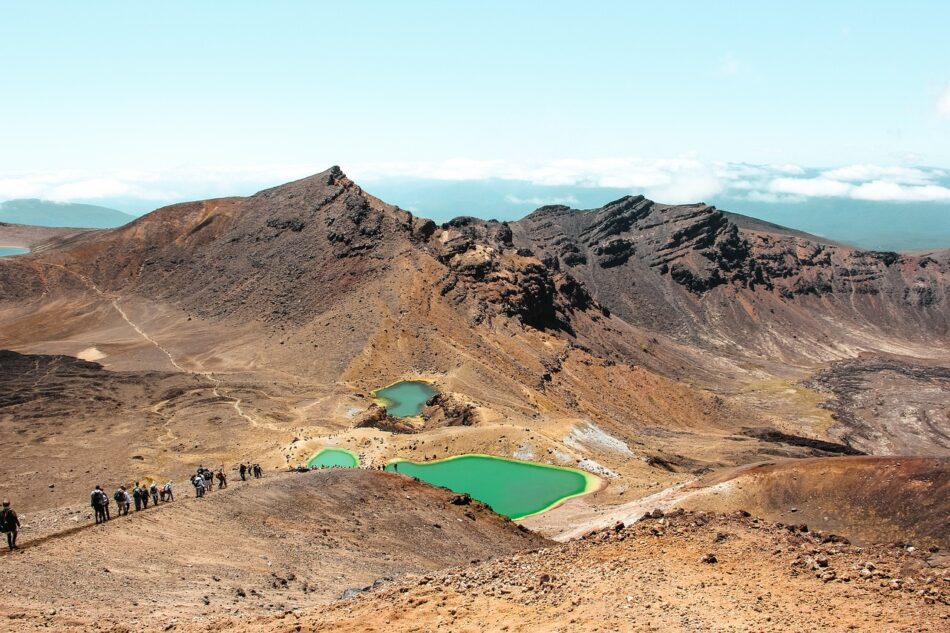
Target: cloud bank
x=943, y=103
x=672, y=180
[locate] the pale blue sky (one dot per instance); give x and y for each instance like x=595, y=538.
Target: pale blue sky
x=179, y=99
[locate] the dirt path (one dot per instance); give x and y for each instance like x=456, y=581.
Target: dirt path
x=114, y=302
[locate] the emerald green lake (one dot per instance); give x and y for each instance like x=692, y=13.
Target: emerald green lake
x=334, y=458
x=512, y=488
x=6, y=251
x=405, y=399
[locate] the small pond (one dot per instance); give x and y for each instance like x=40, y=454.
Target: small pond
x=6, y=251
x=334, y=458
x=405, y=399
x=512, y=488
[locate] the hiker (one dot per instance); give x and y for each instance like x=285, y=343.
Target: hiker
x=122, y=501
x=143, y=493
x=243, y=471
x=96, y=499
x=199, y=484
x=222, y=479
x=208, y=477
x=137, y=496
x=154, y=490
x=167, y=491
x=105, y=505
x=9, y=523
x=258, y=473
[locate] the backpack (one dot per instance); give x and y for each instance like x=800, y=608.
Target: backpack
x=154, y=489
x=119, y=496
x=99, y=498
x=168, y=488
x=6, y=520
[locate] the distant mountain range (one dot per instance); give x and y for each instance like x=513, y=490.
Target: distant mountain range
x=66, y=214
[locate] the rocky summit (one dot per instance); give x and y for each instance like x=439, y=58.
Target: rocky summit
x=775, y=403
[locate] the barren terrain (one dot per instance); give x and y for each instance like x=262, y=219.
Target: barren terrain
x=686, y=356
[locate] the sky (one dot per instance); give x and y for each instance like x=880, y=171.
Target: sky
x=772, y=102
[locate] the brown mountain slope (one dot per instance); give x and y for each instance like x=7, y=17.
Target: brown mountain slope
x=656, y=575
x=645, y=342
x=259, y=547
x=869, y=499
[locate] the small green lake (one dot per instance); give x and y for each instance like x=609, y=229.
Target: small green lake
x=6, y=251
x=405, y=399
x=512, y=488
x=334, y=458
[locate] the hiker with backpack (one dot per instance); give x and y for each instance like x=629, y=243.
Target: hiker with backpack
x=98, y=500
x=258, y=472
x=9, y=523
x=243, y=471
x=199, y=484
x=143, y=493
x=222, y=479
x=137, y=496
x=122, y=501
x=153, y=489
x=208, y=477
x=167, y=491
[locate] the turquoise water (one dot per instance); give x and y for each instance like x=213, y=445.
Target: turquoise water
x=6, y=251
x=405, y=399
x=512, y=488
x=333, y=457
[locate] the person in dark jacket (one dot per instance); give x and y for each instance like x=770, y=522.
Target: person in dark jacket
x=98, y=499
x=137, y=496
x=243, y=471
x=10, y=524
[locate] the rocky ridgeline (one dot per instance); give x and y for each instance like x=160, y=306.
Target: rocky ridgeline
x=288, y=254
x=699, y=248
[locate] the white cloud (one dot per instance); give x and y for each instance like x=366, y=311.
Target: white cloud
x=895, y=192
x=867, y=182
x=728, y=66
x=671, y=180
x=811, y=187
x=943, y=103
x=540, y=202
x=860, y=173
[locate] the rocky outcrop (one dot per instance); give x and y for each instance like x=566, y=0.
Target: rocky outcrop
x=486, y=270
x=378, y=418
x=445, y=409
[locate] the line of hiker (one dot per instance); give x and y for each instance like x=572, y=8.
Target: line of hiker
x=203, y=480
x=141, y=495
x=247, y=470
